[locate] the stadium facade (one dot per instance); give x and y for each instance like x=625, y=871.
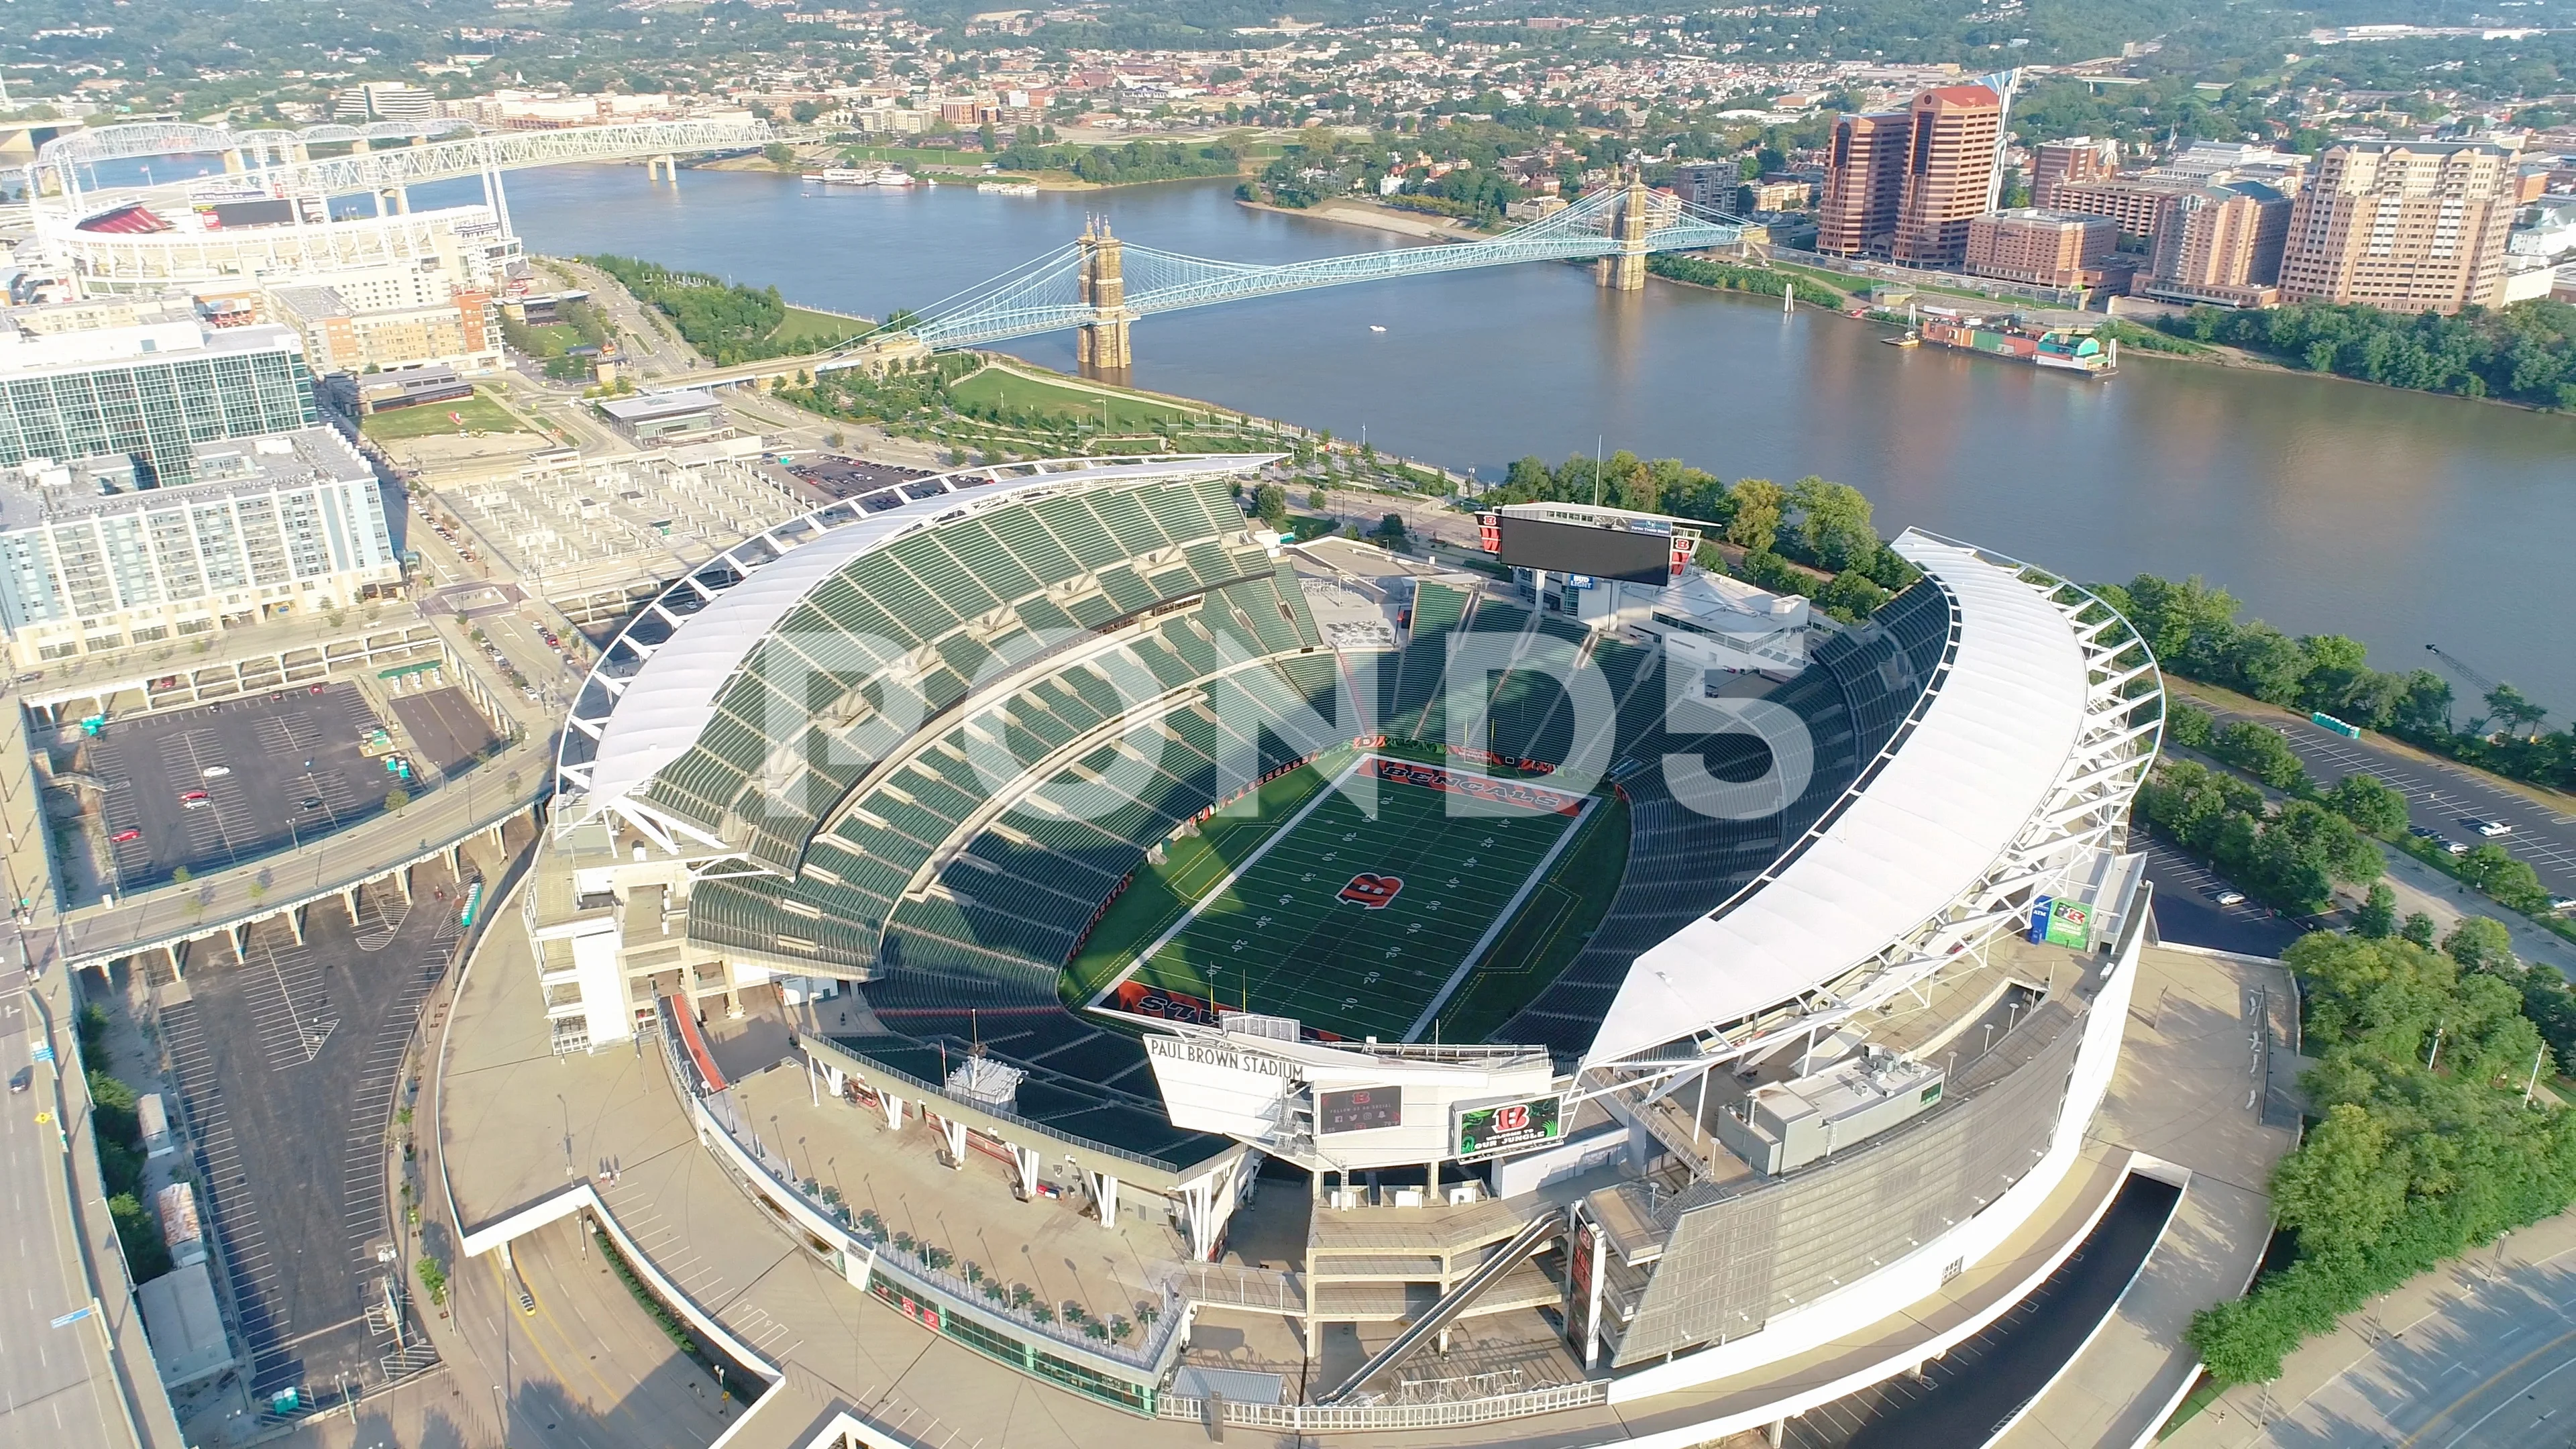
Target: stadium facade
x=1828, y=1039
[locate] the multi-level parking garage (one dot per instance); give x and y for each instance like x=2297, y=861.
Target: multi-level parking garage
x=1814, y=1052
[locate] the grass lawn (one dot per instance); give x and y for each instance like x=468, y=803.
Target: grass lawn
x=808, y=331
x=1011, y=388
x=479, y=414
x=916, y=155
x=1360, y=923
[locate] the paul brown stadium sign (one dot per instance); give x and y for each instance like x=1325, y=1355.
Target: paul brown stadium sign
x=1224, y=1058
x=1502, y=1127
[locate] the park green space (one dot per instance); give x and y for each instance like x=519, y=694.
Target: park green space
x=806, y=330
x=1010, y=389
x=480, y=413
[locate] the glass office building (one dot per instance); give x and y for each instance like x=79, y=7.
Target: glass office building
x=150, y=393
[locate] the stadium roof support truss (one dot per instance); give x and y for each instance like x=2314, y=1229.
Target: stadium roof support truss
x=2081, y=815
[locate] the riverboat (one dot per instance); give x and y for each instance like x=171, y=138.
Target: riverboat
x=2065, y=349
x=860, y=176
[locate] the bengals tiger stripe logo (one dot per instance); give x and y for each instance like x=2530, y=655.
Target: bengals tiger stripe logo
x=1372, y=891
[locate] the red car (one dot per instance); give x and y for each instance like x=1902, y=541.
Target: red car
x=192, y=795
x=123, y=836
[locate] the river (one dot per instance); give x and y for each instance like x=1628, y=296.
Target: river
x=2325, y=505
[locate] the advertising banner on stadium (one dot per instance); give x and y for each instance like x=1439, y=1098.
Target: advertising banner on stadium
x=1493, y=1129
x=2056, y=922
x=1359, y=1110
x=1482, y=787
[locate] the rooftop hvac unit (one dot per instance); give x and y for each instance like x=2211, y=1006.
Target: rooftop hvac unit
x=986, y=1082
x=1268, y=1028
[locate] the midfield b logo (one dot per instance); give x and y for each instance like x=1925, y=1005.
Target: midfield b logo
x=1372, y=891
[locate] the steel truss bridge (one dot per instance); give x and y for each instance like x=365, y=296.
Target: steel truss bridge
x=1050, y=293
x=386, y=156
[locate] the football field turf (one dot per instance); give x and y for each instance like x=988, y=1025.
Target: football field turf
x=1360, y=926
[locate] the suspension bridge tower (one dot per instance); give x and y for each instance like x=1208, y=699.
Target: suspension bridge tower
x=1103, y=345
x=1625, y=269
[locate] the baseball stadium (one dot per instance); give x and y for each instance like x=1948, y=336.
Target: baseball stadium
x=1491, y=991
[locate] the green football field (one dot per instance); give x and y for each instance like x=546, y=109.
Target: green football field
x=1360, y=926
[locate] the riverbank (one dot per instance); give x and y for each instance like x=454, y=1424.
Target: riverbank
x=1353, y=212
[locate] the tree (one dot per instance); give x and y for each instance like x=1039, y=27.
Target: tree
x=2480, y=943
x=779, y=154
x=2368, y=804
x=1756, y=522
x=2260, y=752
x=2513, y=709
x=2417, y=928
x=1270, y=505
x=1834, y=530
x=1389, y=531
x=2188, y=727
x=2377, y=918
x=2508, y=881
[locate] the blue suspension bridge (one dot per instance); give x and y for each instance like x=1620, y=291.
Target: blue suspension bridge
x=1102, y=285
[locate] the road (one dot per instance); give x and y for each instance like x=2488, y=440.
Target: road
x=587, y=1369
x=55, y=1386
x=2486, y=1359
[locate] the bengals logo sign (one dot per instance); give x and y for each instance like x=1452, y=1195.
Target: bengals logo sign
x=1372, y=891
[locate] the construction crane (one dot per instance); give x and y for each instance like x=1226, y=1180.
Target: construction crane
x=2460, y=667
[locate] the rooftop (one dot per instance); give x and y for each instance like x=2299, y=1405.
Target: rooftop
x=653, y=405
x=26, y=347
x=44, y=490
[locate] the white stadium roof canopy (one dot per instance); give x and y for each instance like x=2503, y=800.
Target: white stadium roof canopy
x=666, y=704
x=1956, y=793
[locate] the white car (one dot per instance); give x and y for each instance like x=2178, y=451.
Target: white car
x=2229, y=898
x=2488, y=828
x=217, y=772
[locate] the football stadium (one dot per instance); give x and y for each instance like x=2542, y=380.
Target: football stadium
x=1468, y=992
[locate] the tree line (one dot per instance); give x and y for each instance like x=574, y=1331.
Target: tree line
x=1120, y=165
x=2431, y=1137
x=2195, y=633
x=2525, y=353
x=726, y=323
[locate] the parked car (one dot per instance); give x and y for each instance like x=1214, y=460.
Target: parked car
x=2456, y=847
x=124, y=837
x=2562, y=904
x=2421, y=832
x=217, y=772
x=192, y=797
x=309, y=802
x=2228, y=897
x=2488, y=828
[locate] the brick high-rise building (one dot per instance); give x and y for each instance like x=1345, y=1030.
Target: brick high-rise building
x=2075, y=159
x=1864, y=182
x=1949, y=173
x=2221, y=244
x=2041, y=248
x=1903, y=184
x=2407, y=226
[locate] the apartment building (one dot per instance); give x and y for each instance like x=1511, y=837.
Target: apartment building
x=2041, y=248
x=390, y=318
x=2075, y=159
x=2221, y=244
x=383, y=101
x=92, y=560
x=146, y=391
x=2406, y=226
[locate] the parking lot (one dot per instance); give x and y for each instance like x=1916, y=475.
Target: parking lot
x=2441, y=798
x=2188, y=912
x=838, y=478
x=208, y=787
x=444, y=726
x=289, y=1066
